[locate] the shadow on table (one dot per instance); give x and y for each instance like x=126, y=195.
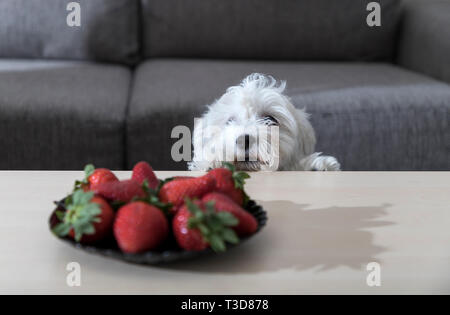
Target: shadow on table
x=301, y=238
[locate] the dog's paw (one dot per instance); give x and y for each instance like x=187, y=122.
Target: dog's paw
x=326, y=163
x=317, y=162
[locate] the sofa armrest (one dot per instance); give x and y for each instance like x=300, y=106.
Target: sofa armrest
x=424, y=44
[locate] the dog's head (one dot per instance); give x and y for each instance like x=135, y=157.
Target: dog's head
x=253, y=125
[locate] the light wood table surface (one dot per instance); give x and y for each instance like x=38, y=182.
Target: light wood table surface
x=323, y=230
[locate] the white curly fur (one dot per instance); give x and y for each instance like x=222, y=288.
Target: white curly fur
x=246, y=109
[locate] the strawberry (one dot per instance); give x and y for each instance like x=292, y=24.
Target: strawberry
x=140, y=227
x=93, y=177
x=188, y=239
x=122, y=191
x=99, y=176
x=197, y=226
x=175, y=191
x=87, y=218
x=230, y=182
x=143, y=171
x=247, y=223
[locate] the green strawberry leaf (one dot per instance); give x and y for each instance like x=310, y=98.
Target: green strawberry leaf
x=239, y=179
x=68, y=201
x=229, y=166
x=230, y=236
x=153, y=199
x=89, y=229
x=80, y=215
x=61, y=229
x=81, y=198
x=209, y=206
x=78, y=235
x=212, y=225
x=60, y=215
x=88, y=171
x=215, y=223
x=227, y=219
x=203, y=228
x=217, y=243
x=192, y=207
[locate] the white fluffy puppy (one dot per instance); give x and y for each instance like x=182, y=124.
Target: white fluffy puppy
x=256, y=127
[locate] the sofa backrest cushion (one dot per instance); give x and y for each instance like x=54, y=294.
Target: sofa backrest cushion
x=268, y=29
x=38, y=29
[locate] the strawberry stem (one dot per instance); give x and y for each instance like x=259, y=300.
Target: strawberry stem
x=214, y=226
x=80, y=215
x=88, y=171
x=153, y=199
x=238, y=178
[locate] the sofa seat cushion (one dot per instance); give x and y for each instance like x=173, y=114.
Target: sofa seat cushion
x=61, y=115
x=371, y=116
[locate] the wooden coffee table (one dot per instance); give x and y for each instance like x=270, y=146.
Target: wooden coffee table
x=323, y=231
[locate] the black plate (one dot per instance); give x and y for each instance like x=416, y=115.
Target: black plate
x=169, y=252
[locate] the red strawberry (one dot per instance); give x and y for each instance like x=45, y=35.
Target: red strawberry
x=123, y=191
x=99, y=176
x=87, y=218
x=247, y=223
x=188, y=239
x=140, y=227
x=197, y=226
x=230, y=182
x=175, y=191
x=143, y=171
x=94, y=177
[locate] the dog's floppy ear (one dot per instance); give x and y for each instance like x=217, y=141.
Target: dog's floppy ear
x=305, y=132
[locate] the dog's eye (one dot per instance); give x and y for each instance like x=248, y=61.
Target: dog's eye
x=231, y=120
x=269, y=119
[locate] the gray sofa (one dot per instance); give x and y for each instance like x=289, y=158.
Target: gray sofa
x=110, y=91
